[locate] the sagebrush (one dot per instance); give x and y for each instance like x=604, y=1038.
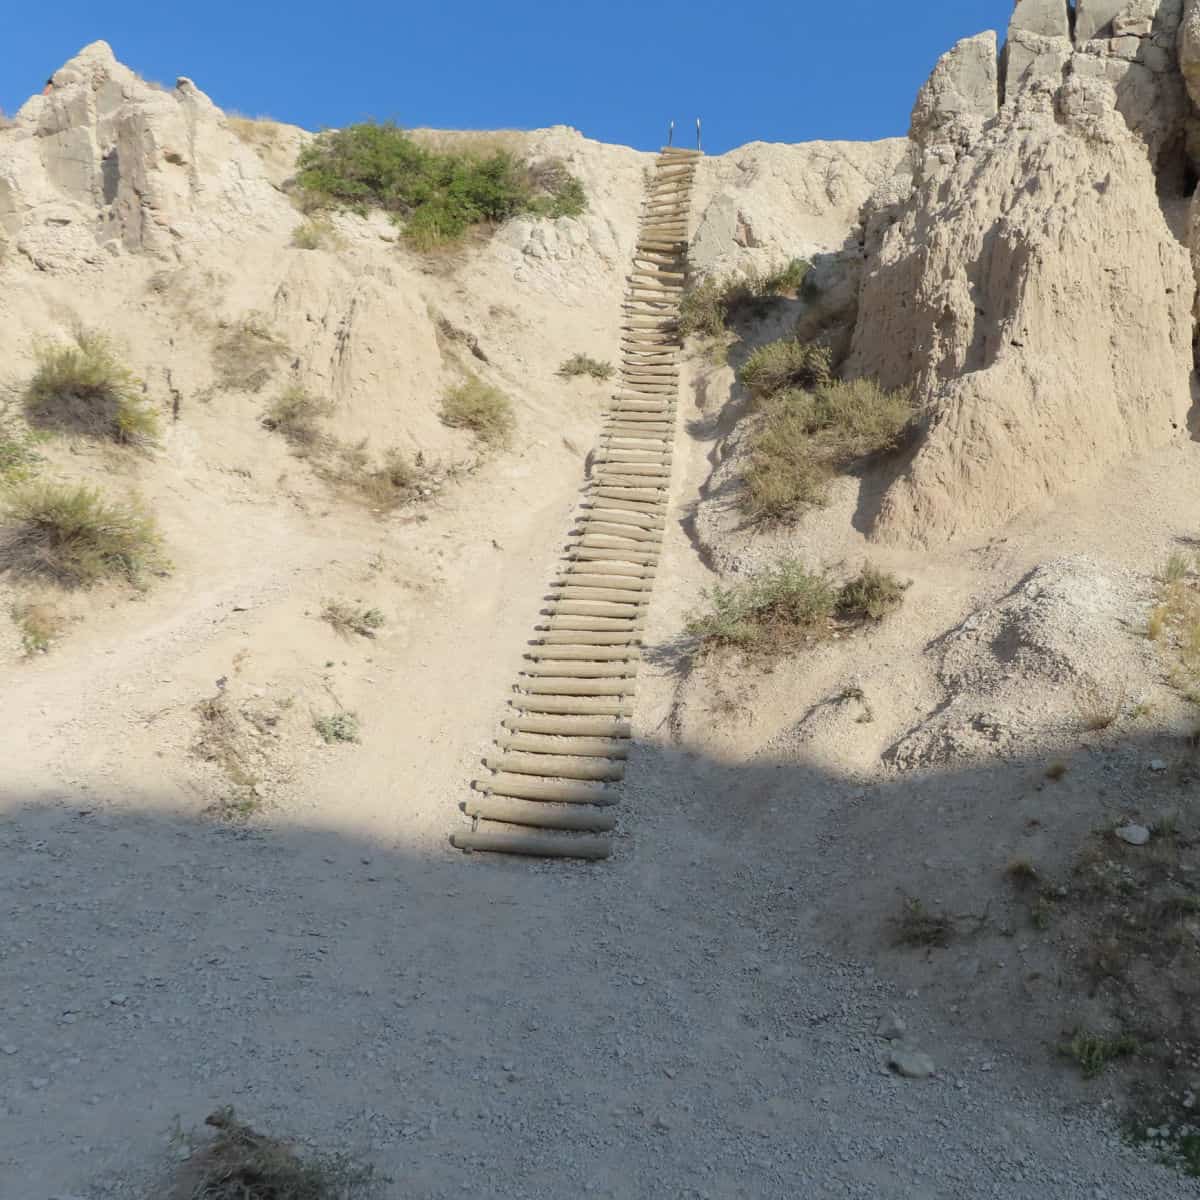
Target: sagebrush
x=710, y=304
x=584, y=364
x=71, y=535
x=296, y=414
x=83, y=387
x=483, y=409
x=438, y=194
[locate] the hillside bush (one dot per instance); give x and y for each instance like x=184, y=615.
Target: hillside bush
x=72, y=536
x=295, y=413
x=83, y=387
x=584, y=364
x=438, y=194
x=709, y=305
x=478, y=406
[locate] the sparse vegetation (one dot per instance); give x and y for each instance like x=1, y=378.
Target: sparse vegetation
x=337, y=727
x=871, y=595
x=583, y=364
x=349, y=619
x=1174, y=622
x=438, y=194
x=245, y=355
x=1021, y=872
x=315, y=233
x=241, y=1164
x=1056, y=771
x=915, y=925
x=260, y=132
x=220, y=741
x=785, y=365
x=1092, y=1052
x=72, y=536
x=296, y=414
x=708, y=306
x=40, y=623
x=1100, y=706
x=82, y=387
x=786, y=603
x=483, y=409
x=810, y=426
x=19, y=457
x=396, y=481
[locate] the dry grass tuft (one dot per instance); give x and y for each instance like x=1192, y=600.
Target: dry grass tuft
x=316, y=233
x=296, y=414
x=71, y=536
x=83, y=388
x=709, y=306
x=583, y=364
x=260, y=132
x=914, y=925
x=395, y=482
x=810, y=426
x=1175, y=622
x=242, y=1164
x=245, y=355
x=40, y=623
x=1092, y=1052
x=337, y=727
x=1056, y=771
x=1099, y=706
x=483, y=409
x=348, y=619
x=871, y=595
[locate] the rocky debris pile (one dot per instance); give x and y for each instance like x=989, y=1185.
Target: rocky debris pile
x=1051, y=659
x=1047, y=323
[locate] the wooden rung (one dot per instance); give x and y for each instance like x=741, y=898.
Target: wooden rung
x=596, y=608
x=593, y=624
x=575, y=706
x=573, y=653
x=571, y=668
x=553, y=685
x=539, y=814
x=593, y=847
x=571, y=591
x=545, y=766
x=568, y=726
x=576, y=747
x=575, y=637
x=634, y=571
x=528, y=787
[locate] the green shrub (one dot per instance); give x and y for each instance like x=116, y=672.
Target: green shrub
x=84, y=388
x=296, y=414
x=337, y=727
x=810, y=426
x=583, y=364
x=871, y=595
x=709, y=305
x=783, y=476
x=1093, y=1051
x=72, y=536
x=438, y=194
x=780, y=603
x=478, y=406
x=245, y=355
x=312, y=234
x=18, y=458
x=785, y=364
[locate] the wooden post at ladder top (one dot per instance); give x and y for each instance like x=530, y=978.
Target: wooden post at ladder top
x=670, y=133
x=697, y=133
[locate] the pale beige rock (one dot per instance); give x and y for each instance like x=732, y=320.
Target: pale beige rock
x=1189, y=49
x=1030, y=56
x=1047, y=322
x=1049, y=18
x=1094, y=17
x=960, y=95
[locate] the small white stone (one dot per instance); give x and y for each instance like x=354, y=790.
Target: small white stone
x=1157, y=764
x=1135, y=835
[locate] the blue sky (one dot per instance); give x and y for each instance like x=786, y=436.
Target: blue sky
x=771, y=70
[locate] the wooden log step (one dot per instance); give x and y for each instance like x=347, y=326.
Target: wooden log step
x=615, y=583
x=650, y=369
x=651, y=470
x=680, y=276
x=590, y=554
x=653, y=497
x=570, y=668
x=577, y=747
x=572, y=706
x=648, y=538
x=527, y=787
x=593, y=624
x=633, y=572
x=597, y=770
x=655, y=507
x=618, y=516
x=540, y=814
x=570, y=591
x=592, y=847
x=577, y=653
x=577, y=637
x=611, y=479
x=605, y=541
x=602, y=727
x=632, y=456
x=555, y=685
x=594, y=608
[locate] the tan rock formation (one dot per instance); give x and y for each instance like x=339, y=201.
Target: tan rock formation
x=1046, y=325
x=960, y=95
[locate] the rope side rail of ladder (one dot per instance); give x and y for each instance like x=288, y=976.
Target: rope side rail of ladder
x=557, y=772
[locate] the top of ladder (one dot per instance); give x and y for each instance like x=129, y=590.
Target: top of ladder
x=679, y=152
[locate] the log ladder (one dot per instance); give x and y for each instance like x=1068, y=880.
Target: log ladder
x=555, y=776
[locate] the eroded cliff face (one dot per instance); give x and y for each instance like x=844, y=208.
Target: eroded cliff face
x=1034, y=287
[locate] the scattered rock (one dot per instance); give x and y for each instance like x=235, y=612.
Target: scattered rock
x=891, y=1027
x=1135, y=835
x=910, y=1063
x=1157, y=764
